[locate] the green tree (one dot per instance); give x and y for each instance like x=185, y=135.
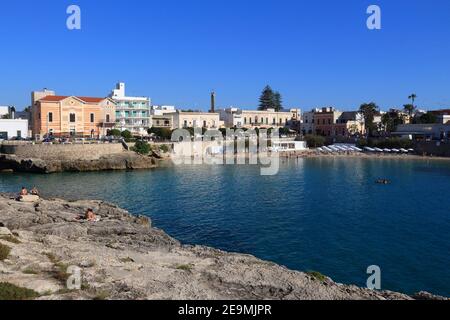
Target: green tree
x=163, y=133
x=369, y=110
x=409, y=109
x=391, y=120
x=142, y=147
x=426, y=118
x=284, y=131
x=114, y=133
x=314, y=141
x=266, y=101
x=277, y=101
x=126, y=134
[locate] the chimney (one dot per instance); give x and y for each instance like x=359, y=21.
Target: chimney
x=213, y=102
x=12, y=112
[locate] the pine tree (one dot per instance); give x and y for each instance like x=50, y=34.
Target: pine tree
x=277, y=101
x=266, y=101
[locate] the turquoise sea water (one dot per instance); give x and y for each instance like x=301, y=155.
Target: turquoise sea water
x=327, y=215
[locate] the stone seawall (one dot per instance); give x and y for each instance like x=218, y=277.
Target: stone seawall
x=72, y=158
x=62, y=151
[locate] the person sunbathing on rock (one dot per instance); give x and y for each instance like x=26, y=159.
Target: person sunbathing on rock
x=89, y=216
x=23, y=192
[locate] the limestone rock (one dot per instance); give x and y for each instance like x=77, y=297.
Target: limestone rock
x=5, y=231
x=124, y=257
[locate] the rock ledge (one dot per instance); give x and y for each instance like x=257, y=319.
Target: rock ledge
x=124, y=257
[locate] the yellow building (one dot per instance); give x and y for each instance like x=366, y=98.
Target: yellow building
x=206, y=120
x=70, y=116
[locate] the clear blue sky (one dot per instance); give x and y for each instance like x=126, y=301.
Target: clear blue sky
x=315, y=53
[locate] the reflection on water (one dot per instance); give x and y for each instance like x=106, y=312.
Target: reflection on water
x=316, y=214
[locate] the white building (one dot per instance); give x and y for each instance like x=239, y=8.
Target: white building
x=307, y=126
x=4, y=110
x=288, y=145
x=132, y=113
x=14, y=128
x=162, y=110
x=234, y=117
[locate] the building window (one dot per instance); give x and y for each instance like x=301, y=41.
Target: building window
x=204, y=124
x=267, y=120
x=245, y=120
x=92, y=118
x=274, y=121
x=72, y=117
x=19, y=134
x=50, y=117
x=185, y=123
x=108, y=119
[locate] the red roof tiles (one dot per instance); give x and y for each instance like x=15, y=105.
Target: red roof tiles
x=60, y=98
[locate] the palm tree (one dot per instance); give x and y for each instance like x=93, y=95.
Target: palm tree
x=368, y=110
x=410, y=109
x=413, y=98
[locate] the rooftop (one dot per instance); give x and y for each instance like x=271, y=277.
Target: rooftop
x=60, y=98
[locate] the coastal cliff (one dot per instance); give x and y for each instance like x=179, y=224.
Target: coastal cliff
x=123, y=257
x=119, y=161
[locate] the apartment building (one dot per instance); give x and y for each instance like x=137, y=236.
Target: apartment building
x=325, y=120
x=132, y=113
x=307, y=125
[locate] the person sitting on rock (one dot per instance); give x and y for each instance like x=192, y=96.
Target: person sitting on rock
x=35, y=191
x=24, y=192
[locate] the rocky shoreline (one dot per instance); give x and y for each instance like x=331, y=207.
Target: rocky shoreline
x=123, y=257
x=121, y=161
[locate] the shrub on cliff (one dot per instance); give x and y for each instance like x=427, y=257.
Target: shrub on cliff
x=10, y=291
x=4, y=252
x=164, y=148
x=142, y=147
